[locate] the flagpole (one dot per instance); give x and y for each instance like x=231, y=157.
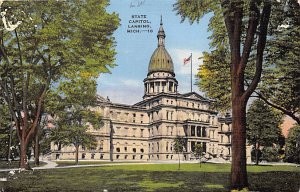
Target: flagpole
x=191, y=73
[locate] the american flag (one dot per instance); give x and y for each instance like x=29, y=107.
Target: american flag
x=186, y=60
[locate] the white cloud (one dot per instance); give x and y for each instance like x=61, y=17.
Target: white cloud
x=123, y=95
x=178, y=56
x=132, y=83
x=128, y=91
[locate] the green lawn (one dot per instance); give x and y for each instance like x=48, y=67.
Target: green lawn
x=208, y=178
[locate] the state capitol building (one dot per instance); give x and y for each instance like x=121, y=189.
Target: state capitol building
x=147, y=129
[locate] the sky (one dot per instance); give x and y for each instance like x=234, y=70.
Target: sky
x=134, y=50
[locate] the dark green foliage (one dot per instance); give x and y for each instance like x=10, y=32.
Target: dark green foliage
x=279, y=85
x=292, y=149
x=271, y=154
x=263, y=129
x=73, y=117
x=7, y=131
x=199, y=152
x=263, y=124
x=280, y=82
x=57, y=43
x=179, y=147
x=4, y=130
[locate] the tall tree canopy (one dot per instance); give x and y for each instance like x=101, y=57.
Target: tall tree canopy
x=292, y=151
x=279, y=86
x=263, y=126
x=239, y=28
x=56, y=42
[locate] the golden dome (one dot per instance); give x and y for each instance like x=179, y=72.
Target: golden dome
x=161, y=60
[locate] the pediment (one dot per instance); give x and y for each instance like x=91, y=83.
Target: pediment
x=194, y=95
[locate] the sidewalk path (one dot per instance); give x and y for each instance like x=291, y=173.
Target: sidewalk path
x=53, y=164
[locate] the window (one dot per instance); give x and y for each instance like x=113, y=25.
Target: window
x=141, y=157
x=170, y=86
x=92, y=148
x=167, y=146
x=101, y=156
x=83, y=156
x=125, y=149
x=117, y=156
x=118, y=149
x=93, y=156
x=133, y=119
x=133, y=157
x=192, y=130
x=142, y=118
x=125, y=156
x=203, y=132
x=142, y=132
x=142, y=150
x=83, y=147
x=134, y=150
x=198, y=131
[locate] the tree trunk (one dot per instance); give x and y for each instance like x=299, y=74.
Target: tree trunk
x=76, y=157
x=36, y=150
x=256, y=153
x=238, y=167
x=23, y=156
x=178, y=161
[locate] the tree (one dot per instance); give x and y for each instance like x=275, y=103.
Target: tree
x=56, y=42
x=75, y=124
x=262, y=127
x=292, y=149
x=199, y=152
x=74, y=118
x=279, y=84
x=179, y=148
x=246, y=25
